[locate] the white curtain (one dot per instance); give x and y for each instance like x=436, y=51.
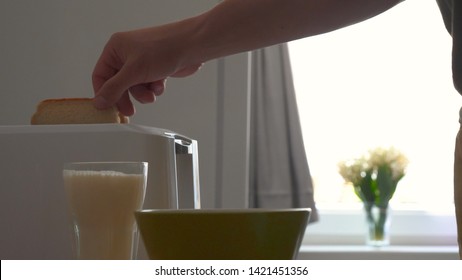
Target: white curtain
x=279, y=172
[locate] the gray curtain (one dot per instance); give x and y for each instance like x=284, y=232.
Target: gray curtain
x=279, y=173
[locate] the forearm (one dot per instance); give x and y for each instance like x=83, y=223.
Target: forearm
x=235, y=26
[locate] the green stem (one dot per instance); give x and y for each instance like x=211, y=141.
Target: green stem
x=380, y=225
x=377, y=223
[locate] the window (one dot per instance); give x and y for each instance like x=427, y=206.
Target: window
x=384, y=82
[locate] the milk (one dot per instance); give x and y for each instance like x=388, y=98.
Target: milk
x=102, y=205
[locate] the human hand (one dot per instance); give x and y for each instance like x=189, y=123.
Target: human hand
x=137, y=64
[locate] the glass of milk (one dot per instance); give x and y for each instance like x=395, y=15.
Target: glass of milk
x=102, y=198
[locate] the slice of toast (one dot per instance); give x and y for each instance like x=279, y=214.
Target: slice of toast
x=74, y=111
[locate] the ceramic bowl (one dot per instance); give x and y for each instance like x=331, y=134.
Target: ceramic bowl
x=219, y=234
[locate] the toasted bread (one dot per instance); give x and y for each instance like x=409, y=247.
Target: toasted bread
x=74, y=111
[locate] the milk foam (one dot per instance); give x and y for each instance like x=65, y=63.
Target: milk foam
x=94, y=173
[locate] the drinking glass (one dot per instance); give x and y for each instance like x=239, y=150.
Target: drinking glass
x=102, y=198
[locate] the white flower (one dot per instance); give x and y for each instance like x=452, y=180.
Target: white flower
x=353, y=171
x=368, y=174
x=391, y=158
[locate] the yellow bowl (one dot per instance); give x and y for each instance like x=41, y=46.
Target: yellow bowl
x=219, y=234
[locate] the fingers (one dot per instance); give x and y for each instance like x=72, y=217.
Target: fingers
x=133, y=64
x=158, y=87
x=114, y=87
x=115, y=78
x=125, y=105
x=187, y=71
x=146, y=93
x=112, y=90
x=142, y=94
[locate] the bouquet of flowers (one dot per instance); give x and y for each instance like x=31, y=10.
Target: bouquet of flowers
x=374, y=177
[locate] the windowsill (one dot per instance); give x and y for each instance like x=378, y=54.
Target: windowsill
x=345, y=229
x=363, y=252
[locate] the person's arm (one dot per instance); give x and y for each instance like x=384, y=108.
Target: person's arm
x=139, y=61
x=241, y=25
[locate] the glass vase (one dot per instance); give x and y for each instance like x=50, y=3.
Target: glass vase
x=378, y=225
